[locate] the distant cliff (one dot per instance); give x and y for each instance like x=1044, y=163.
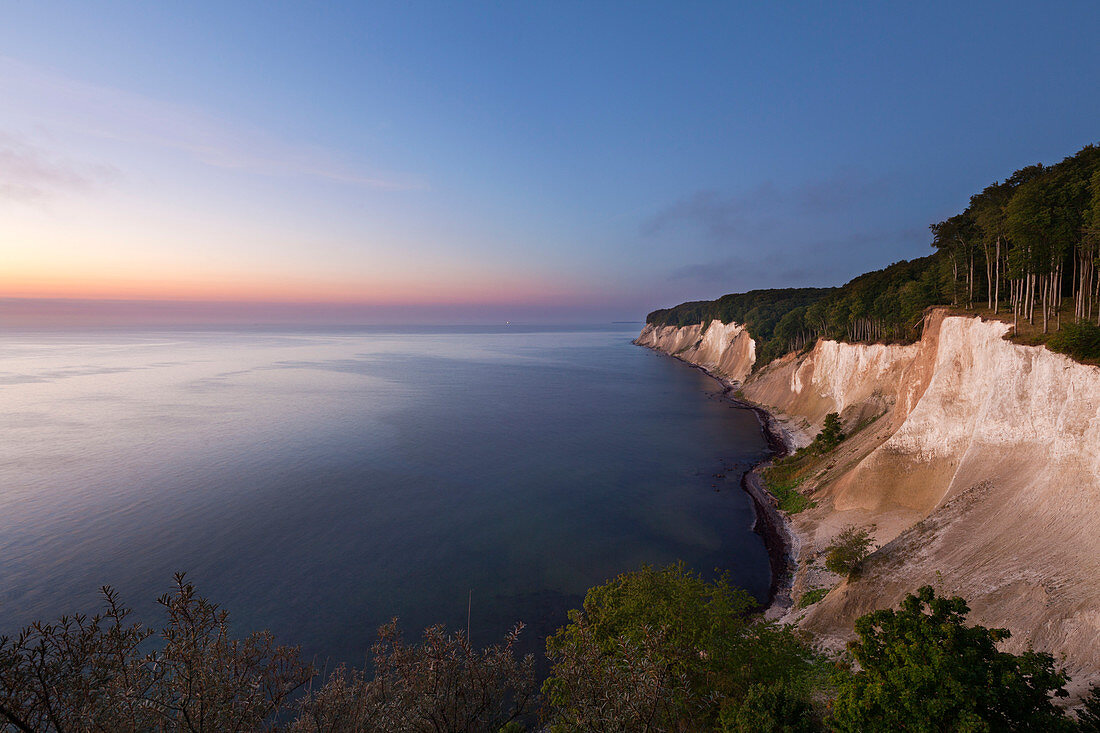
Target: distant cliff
x=724, y=349
x=977, y=459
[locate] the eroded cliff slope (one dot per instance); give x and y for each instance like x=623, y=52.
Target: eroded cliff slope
x=977, y=459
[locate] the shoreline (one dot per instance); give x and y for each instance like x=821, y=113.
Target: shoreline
x=773, y=526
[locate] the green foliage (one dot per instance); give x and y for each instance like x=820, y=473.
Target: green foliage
x=883, y=305
x=760, y=310
x=923, y=669
x=773, y=317
x=664, y=646
x=1032, y=238
x=775, y=708
x=783, y=479
x=1088, y=717
x=831, y=433
x=811, y=597
x=1079, y=340
x=785, y=475
x=846, y=553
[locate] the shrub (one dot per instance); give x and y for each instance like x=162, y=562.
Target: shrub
x=92, y=674
x=667, y=647
x=442, y=683
x=923, y=669
x=1080, y=340
x=846, y=553
x=811, y=597
x=1088, y=717
x=775, y=708
x=88, y=674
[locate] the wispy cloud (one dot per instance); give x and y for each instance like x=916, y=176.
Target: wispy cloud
x=725, y=218
x=818, y=232
x=58, y=102
x=29, y=171
x=811, y=262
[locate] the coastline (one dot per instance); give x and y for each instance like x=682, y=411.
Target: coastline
x=773, y=525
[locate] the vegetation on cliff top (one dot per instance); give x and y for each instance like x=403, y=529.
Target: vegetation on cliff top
x=1028, y=246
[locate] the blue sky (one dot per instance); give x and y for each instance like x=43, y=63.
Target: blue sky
x=547, y=161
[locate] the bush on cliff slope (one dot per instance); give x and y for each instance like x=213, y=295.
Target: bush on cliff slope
x=786, y=474
x=846, y=553
x=923, y=669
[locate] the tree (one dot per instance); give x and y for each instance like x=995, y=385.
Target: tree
x=774, y=708
x=664, y=649
x=923, y=669
x=440, y=684
x=846, y=553
x=1088, y=717
x=831, y=433
x=89, y=674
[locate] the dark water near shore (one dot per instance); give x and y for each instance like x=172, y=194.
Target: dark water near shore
x=317, y=483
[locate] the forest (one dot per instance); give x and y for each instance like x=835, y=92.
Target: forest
x=1025, y=250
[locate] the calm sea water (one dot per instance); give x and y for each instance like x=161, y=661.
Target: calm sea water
x=319, y=483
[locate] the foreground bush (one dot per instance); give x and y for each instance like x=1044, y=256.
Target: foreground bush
x=91, y=674
x=923, y=669
x=663, y=649
x=95, y=674
x=1088, y=717
x=441, y=684
x=656, y=650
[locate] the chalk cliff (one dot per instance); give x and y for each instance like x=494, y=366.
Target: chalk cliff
x=724, y=349
x=977, y=459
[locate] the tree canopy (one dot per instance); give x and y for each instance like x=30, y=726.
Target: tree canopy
x=923, y=669
x=664, y=649
x=1029, y=242
x=660, y=649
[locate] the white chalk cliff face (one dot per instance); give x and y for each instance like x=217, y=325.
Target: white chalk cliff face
x=724, y=349
x=979, y=462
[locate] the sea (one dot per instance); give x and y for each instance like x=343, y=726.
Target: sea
x=318, y=482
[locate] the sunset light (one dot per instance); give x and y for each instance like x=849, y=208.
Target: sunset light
x=542, y=366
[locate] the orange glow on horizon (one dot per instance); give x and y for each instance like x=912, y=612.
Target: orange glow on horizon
x=223, y=289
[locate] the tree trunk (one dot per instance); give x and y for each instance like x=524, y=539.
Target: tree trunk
x=997, y=279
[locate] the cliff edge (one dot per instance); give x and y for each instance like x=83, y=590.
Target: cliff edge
x=977, y=460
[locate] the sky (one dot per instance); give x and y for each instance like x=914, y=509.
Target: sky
x=480, y=162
